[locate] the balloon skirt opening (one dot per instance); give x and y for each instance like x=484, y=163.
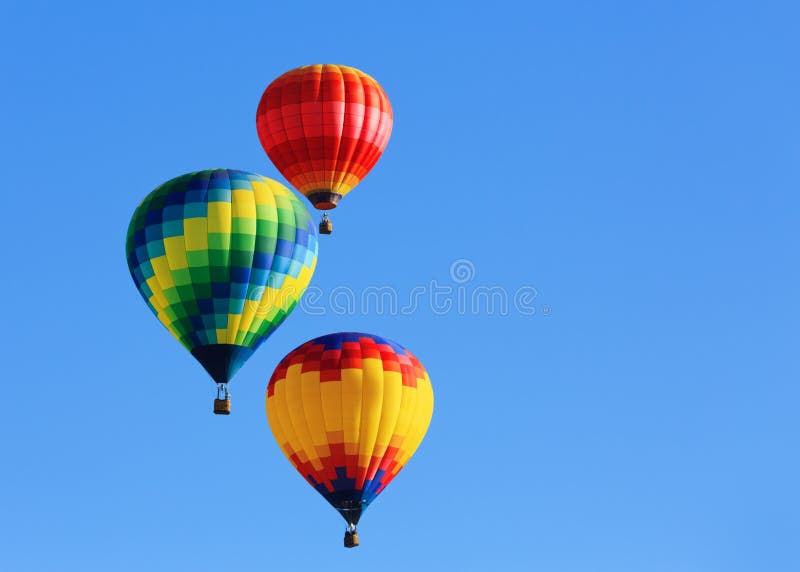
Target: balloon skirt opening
x=324, y=200
x=222, y=361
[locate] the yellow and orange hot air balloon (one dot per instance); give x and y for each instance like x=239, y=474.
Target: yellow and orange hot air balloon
x=324, y=127
x=348, y=410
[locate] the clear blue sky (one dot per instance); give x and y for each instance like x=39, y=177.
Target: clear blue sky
x=637, y=163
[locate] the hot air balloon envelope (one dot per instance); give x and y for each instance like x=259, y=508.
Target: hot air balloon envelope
x=221, y=257
x=348, y=410
x=324, y=127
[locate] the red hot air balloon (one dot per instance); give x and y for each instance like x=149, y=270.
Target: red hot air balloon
x=324, y=127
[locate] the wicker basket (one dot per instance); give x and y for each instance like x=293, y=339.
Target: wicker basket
x=350, y=539
x=222, y=406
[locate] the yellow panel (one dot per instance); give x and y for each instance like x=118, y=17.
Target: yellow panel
x=346, y=186
x=233, y=326
x=331, y=395
x=222, y=335
x=246, y=320
x=371, y=407
x=195, y=233
x=407, y=409
x=219, y=217
x=167, y=321
x=156, y=304
x=162, y=272
x=294, y=402
x=421, y=419
x=284, y=420
x=157, y=299
x=292, y=288
x=244, y=204
x=351, y=408
x=175, y=248
x=426, y=409
x=274, y=423
x=407, y=405
x=267, y=302
x=312, y=406
x=392, y=397
x=262, y=191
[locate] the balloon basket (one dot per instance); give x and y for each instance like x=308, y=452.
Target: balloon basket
x=222, y=406
x=350, y=539
x=325, y=225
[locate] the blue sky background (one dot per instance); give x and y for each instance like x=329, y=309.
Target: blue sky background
x=635, y=162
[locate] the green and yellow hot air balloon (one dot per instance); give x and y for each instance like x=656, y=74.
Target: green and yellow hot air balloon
x=221, y=257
